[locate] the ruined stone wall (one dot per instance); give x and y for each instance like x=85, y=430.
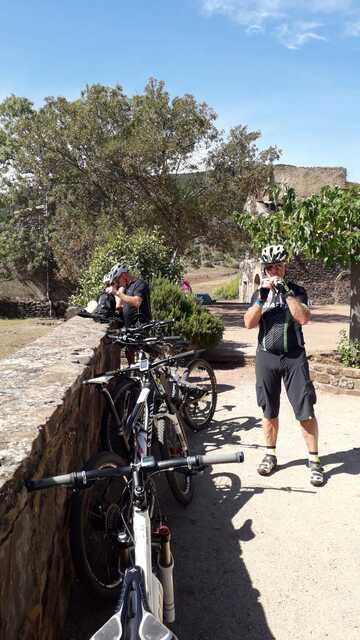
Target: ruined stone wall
x=49, y=425
x=308, y=180
x=31, y=309
x=323, y=285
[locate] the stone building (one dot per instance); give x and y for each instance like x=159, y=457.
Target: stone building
x=324, y=285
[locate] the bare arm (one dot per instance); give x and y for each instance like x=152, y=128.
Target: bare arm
x=252, y=316
x=134, y=301
x=299, y=311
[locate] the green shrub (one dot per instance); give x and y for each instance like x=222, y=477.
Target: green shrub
x=229, y=291
x=145, y=252
x=349, y=350
x=192, y=321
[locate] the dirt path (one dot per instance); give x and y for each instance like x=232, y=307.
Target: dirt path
x=275, y=558
x=206, y=280
x=257, y=558
x=321, y=334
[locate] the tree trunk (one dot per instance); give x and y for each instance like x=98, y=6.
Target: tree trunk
x=355, y=301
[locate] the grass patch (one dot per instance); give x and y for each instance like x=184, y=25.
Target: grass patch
x=229, y=291
x=16, y=334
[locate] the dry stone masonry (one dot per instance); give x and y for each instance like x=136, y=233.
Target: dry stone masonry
x=49, y=425
x=324, y=285
x=328, y=374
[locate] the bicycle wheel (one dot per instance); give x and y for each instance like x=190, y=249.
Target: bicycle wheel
x=124, y=396
x=100, y=519
x=198, y=385
x=180, y=481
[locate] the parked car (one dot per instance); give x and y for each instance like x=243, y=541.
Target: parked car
x=204, y=298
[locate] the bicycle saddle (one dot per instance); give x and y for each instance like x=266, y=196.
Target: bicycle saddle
x=133, y=620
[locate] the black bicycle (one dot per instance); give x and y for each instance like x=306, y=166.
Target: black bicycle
x=149, y=411
x=191, y=379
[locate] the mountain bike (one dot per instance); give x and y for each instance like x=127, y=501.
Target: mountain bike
x=149, y=411
x=191, y=379
x=127, y=555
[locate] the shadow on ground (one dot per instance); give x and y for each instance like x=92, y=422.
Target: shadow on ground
x=215, y=598
x=346, y=461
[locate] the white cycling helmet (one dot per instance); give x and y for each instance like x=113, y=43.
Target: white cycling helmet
x=115, y=272
x=274, y=253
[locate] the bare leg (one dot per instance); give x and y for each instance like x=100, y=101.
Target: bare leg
x=270, y=429
x=268, y=463
x=311, y=433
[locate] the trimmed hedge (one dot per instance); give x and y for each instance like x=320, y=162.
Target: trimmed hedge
x=192, y=321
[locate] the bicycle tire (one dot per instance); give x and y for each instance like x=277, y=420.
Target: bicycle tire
x=198, y=413
x=124, y=396
x=180, y=483
x=95, y=522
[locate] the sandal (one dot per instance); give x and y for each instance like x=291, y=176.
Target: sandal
x=267, y=465
x=317, y=476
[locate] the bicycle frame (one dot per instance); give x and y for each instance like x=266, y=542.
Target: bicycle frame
x=150, y=385
x=154, y=598
x=154, y=588
x=134, y=619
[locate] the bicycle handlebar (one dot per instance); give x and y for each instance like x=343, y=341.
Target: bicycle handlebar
x=137, y=366
x=80, y=479
x=150, y=325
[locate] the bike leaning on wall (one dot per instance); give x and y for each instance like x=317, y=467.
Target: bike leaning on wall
x=141, y=558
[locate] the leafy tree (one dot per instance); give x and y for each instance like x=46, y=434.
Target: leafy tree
x=324, y=226
x=107, y=159
x=237, y=169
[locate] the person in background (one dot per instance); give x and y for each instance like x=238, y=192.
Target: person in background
x=279, y=308
x=185, y=286
x=132, y=296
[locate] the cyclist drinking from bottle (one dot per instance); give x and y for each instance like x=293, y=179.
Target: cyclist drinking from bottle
x=279, y=308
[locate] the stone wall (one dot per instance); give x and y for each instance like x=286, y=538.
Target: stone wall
x=328, y=374
x=323, y=285
x=49, y=425
x=308, y=180
x=31, y=308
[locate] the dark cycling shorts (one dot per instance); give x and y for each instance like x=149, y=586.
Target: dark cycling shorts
x=293, y=369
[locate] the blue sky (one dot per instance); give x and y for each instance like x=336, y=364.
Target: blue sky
x=287, y=67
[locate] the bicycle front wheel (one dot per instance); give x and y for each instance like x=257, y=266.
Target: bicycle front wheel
x=124, y=397
x=180, y=481
x=100, y=530
x=200, y=396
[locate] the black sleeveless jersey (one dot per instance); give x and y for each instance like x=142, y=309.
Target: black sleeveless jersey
x=278, y=331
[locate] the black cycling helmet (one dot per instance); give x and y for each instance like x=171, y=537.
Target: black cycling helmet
x=273, y=254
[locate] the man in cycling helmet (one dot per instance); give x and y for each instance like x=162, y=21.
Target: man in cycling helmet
x=279, y=308
x=132, y=295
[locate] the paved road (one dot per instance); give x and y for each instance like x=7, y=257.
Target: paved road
x=264, y=559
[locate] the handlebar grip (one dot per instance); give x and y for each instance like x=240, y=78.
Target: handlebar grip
x=219, y=458
x=77, y=479
x=55, y=481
